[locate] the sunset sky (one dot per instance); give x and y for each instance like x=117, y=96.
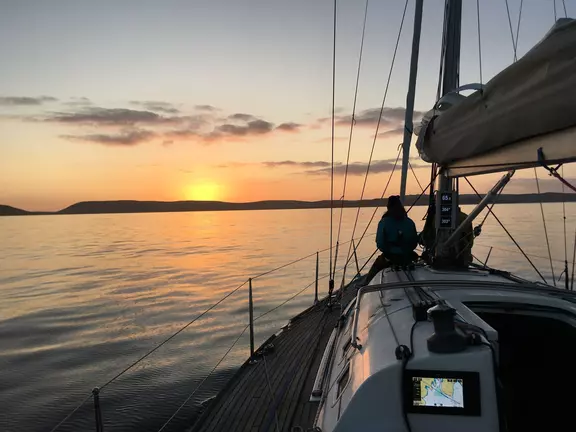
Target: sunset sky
x=221, y=99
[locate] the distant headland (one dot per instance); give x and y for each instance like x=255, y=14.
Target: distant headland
x=98, y=207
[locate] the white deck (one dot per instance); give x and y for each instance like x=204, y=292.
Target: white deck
x=371, y=399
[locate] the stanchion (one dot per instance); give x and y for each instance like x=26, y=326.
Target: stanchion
x=97, y=410
x=251, y=317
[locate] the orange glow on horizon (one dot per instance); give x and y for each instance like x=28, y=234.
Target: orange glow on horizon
x=203, y=191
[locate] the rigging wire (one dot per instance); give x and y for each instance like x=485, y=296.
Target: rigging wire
x=566, y=276
x=204, y=380
x=333, y=112
x=479, y=41
x=71, y=413
x=511, y=31
x=509, y=235
x=555, y=13
x=564, y=5
x=573, y=262
x=352, y=123
x=126, y=369
x=559, y=261
x=349, y=257
x=379, y=119
x=519, y=20
x=415, y=176
x=442, y=53
x=544, y=223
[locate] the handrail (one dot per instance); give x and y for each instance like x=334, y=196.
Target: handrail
x=512, y=286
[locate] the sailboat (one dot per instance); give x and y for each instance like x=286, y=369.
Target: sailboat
x=435, y=346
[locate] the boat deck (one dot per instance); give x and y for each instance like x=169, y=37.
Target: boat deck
x=273, y=394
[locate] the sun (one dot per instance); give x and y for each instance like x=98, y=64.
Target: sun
x=203, y=191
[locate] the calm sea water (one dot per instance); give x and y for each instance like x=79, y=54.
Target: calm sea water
x=84, y=296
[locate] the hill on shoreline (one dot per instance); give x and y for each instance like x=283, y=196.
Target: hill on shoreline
x=128, y=206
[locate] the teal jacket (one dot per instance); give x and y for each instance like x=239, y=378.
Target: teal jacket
x=396, y=236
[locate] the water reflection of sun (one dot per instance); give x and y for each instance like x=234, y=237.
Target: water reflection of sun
x=203, y=191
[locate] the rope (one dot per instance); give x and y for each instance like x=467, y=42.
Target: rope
x=171, y=337
x=203, y=381
x=352, y=122
x=509, y=235
x=380, y=117
x=479, y=41
x=544, y=223
x=511, y=31
x=564, y=5
x=415, y=176
x=71, y=413
x=333, y=113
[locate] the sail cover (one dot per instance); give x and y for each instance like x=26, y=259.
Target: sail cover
x=529, y=105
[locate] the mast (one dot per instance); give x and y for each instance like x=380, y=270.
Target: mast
x=447, y=188
x=409, y=114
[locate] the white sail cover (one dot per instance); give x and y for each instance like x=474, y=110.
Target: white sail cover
x=529, y=105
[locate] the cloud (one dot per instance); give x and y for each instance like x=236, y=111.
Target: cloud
x=78, y=101
x=163, y=107
x=289, y=127
x=206, y=108
x=289, y=163
x=393, y=117
x=25, y=101
x=358, y=168
x=242, y=117
x=254, y=127
x=111, y=117
x=125, y=138
x=392, y=133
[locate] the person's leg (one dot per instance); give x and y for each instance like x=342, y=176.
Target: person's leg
x=379, y=264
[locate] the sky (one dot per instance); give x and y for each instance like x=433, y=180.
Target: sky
x=224, y=99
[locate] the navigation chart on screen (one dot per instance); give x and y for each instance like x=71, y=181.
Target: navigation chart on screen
x=438, y=392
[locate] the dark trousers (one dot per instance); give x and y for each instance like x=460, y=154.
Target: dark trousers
x=379, y=264
x=383, y=262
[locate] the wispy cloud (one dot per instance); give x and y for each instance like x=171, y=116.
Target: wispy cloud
x=290, y=163
x=161, y=120
x=96, y=116
x=25, y=100
x=206, y=108
x=78, y=102
x=369, y=117
x=289, y=127
x=157, y=106
x=396, y=132
x=242, y=117
x=125, y=138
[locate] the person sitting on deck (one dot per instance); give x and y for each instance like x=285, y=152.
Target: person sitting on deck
x=396, y=238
